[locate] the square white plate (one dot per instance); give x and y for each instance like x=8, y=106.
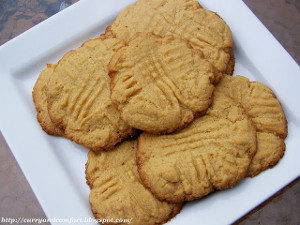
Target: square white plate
x=54, y=166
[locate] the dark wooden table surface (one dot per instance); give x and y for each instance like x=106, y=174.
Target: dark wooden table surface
x=281, y=17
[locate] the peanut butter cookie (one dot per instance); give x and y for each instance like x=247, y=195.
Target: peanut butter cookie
x=40, y=100
x=213, y=152
x=117, y=191
x=265, y=110
x=160, y=83
x=203, y=29
x=78, y=95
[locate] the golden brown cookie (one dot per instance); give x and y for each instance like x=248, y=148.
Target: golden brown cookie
x=203, y=29
x=40, y=100
x=117, y=191
x=78, y=95
x=265, y=110
x=160, y=83
x=213, y=152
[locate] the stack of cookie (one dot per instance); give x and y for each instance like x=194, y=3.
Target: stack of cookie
x=154, y=100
